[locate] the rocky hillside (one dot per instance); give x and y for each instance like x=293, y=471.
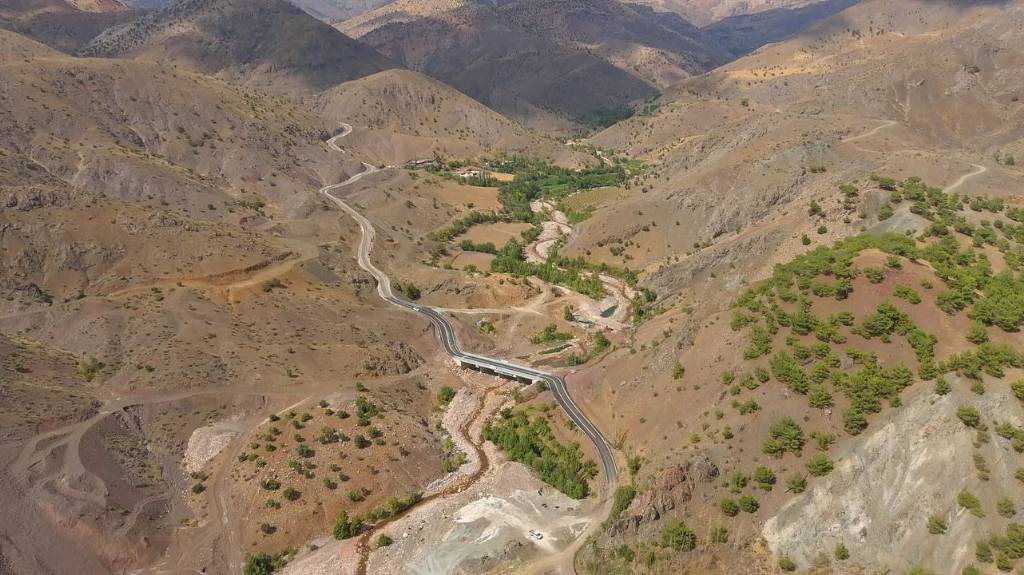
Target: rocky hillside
x=269, y=43
x=791, y=134
x=528, y=59
x=63, y=25
x=403, y=115
x=338, y=10
x=704, y=12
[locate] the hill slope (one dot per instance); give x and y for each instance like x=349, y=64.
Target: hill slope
x=262, y=42
x=402, y=115
x=529, y=59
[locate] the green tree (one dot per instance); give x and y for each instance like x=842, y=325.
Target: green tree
x=765, y=477
x=678, y=536
x=446, y=394
x=977, y=333
x=258, y=564
x=819, y=465
x=937, y=525
x=969, y=415
x=970, y=502
x=345, y=528
x=796, y=484
x=784, y=436
x=729, y=507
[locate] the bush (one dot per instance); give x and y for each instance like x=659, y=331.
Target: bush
x=291, y=494
x=729, y=507
x=819, y=465
x=841, y=553
x=1018, y=389
x=719, y=534
x=796, y=484
x=784, y=436
x=446, y=395
x=970, y=502
x=937, y=525
x=764, y=476
x=258, y=564
x=1006, y=508
x=969, y=415
x=384, y=541
x=977, y=334
x=624, y=495
x=345, y=528
x=788, y=371
x=749, y=504
x=676, y=535
x=786, y=564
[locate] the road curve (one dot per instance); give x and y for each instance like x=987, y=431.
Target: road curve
x=445, y=331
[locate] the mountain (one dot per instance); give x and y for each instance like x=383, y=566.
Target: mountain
x=403, y=115
x=338, y=10
x=705, y=12
x=745, y=33
x=62, y=24
x=268, y=43
x=533, y=59
x=773, y=172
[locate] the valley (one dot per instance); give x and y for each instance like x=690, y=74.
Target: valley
x=543, y=287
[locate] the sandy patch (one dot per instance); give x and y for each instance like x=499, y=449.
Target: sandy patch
x=205, y=443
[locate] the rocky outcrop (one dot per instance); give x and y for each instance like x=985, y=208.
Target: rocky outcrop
x=886, y=486
x=670, y=489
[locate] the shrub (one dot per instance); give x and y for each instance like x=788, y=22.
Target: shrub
x=942, y=387
x=1006, y=508
x=258, y=564
x=788, y=371
x=969, y=415
x=678, y=371
x=446, y=395
x=937, y=525
x=676, y=535
x=970, y=502
x=784, y=436
x=291, y=494
x=729, y=507
x=384, y=541
x=1018, y=389
x=819, y=465
x=977, y=333
x=841, y=553
x=624, y=495
x=796, y=484
x=764, y=476
x=271, y=484
x=345, y=528
x=749, y=504
x=786, y=564
x=719, y=534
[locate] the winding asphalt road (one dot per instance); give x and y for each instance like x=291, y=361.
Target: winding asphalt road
x=445, y=331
